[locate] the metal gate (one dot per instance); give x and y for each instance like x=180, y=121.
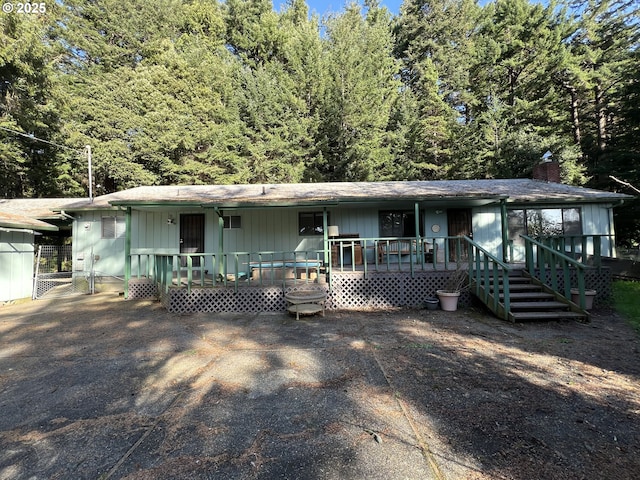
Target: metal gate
x=54, y=275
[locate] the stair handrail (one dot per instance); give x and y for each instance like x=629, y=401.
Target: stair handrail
x=578, y=246
x=548, y=258
x=493, y=270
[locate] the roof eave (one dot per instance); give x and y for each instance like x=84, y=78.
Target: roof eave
x=26, y=226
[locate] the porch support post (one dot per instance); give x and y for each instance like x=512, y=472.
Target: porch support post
x=219, y=260
x=325, y=243
x=505, y=230
x=416, y=214
x=127, y=252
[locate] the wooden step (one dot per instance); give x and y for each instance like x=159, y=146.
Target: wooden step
x=531, y=302
x=512, y=282
x=546, y=305
x=523, y=287
x=516, y=279
x=514, y=296
x=517, y=286
x=523, y=316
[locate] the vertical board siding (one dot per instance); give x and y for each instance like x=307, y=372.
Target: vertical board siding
x=264, y=230
x=363, y=221
x=276, y=229
x=16, y=265
x=108, y=253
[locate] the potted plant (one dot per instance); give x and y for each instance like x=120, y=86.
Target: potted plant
x=589, y=295
x=456, y=283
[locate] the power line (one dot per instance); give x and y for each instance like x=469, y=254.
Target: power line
x=86, y=151
x=33, y=137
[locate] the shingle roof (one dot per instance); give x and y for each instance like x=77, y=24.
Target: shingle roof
x=514, y=191
x=40, y=208
x=11, y=220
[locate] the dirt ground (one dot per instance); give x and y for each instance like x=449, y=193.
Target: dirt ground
x=99, y=387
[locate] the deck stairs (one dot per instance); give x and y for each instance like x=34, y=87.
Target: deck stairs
x=530, y=300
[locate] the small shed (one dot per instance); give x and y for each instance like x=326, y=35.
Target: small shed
x=17, y=249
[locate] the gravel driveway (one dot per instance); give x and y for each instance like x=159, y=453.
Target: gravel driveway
x=98, y=387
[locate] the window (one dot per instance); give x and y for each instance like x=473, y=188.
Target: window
x=399, y=223
x=543, y=222
x=232, y=221
x=310, y=223
x=113, y=227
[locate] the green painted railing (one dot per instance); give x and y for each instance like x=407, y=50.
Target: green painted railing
x=187, y=270
x=487, y=274
x=587, y=249
x=395, y=254
x=546, y=257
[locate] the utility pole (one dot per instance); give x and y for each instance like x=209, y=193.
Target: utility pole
x=88, y=149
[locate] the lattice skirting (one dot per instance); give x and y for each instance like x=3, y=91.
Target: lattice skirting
x=349, y=291
x=142, y=288
x=352, y=290
x=224, y=299
x=597, y=279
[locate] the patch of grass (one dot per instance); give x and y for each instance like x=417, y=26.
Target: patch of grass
x=625, y=300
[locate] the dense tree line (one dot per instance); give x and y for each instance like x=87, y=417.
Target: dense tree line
x=205, y=91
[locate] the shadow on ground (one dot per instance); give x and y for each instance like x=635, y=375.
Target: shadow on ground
x=98, y=387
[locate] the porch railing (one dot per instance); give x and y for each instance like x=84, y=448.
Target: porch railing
x=545, y=261
x=396, y=253
x=587, y=249
x=189, y=270
x=211, y=269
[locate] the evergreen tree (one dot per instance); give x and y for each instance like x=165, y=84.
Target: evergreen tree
x=155, y=112
x=519, y=51
x=603, y=54
x=277, y=86
x=361, y=90
x=29, y=167
x=434, y=40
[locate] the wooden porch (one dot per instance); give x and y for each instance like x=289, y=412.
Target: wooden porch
x=401, y=277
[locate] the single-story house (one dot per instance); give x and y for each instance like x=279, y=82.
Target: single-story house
x=237, y=247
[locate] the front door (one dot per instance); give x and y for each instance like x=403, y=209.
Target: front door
x=459, y=223
x=192, y=235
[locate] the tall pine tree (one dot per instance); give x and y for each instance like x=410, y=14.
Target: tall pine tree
x=361, y=90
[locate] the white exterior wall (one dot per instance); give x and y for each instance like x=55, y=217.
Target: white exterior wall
x=16, y=265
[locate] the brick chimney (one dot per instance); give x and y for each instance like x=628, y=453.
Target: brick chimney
x=547, y=171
